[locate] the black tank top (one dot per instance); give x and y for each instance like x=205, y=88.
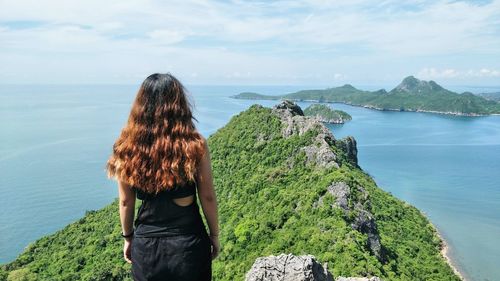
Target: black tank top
x=160, y=216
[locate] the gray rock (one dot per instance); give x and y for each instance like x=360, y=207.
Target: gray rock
x=319, y=152
x=288, y=267
x=348, y=145
x=357, y=279
x=341, y=192
x=321, y=155
x=291, y=106
x=295, y=122
x=363, y=221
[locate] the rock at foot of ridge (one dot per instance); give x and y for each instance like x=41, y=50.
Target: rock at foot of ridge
x=288, y=267
x=357, y=279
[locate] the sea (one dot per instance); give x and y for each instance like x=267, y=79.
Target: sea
x=55, y=140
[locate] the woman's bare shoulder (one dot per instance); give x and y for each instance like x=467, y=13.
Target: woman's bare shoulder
x=204, y=141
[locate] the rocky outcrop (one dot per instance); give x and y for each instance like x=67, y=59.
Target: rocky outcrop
x=357, y=279
x=349, y=146
x=290, y=106
x=341, y=193
x=288, y=267
x=365, y=223
x=320, y=151
x=358, y=205
x=295, y=122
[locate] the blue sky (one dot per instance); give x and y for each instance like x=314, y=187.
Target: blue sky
x=304, y=42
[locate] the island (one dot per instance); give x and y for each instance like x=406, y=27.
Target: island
x=326, y=114
x=411, y=94
x=285, y=185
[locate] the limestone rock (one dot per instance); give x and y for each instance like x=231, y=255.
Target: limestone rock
x=320, y=152
x=288, y=267
x=348, y=145
x=341, y=192
x=363, y=221
x=291, y=106
x=357, y=279
x=293, y=117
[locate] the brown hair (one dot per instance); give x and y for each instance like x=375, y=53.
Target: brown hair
x=159, y=147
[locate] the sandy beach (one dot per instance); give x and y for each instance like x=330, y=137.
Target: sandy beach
x=445, y=253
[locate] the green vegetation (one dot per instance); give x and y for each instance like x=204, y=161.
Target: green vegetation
x=88, y=249
x=268, y=204
x=326, y=114
x=411, y=95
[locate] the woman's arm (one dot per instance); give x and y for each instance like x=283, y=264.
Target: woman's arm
x=127, y=207
x=206, y=192
x=127, y=212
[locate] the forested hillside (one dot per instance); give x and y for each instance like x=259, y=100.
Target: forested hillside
x=284, y=185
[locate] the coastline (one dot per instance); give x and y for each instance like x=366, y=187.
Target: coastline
x=380, y=109
x=446, y=254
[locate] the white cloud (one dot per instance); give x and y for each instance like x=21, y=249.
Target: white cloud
x=339, y=76
x=280, y=39
x=484, y=72
x=433, y=73
x=164, y=36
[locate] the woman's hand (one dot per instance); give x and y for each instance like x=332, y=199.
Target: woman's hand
x=127, y=249
x=215, y=246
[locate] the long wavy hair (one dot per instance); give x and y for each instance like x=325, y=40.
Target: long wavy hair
x=159, y=147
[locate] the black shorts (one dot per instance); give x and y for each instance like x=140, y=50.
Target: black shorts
x=185, y=257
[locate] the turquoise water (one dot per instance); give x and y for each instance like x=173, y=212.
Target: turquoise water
x=55, y=141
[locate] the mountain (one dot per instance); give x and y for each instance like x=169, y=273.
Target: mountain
x=411, y=94
x=284, y=184
x=412, y=85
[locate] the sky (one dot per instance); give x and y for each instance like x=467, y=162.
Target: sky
x=303, y=42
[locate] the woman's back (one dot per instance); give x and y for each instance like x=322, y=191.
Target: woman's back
x=161, y=215
x=171, y=242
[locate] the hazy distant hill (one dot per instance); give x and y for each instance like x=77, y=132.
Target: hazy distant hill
x=491, y=96
x=411, y=94
x=284, y=184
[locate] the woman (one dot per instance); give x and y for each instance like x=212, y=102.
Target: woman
x=161, y=159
